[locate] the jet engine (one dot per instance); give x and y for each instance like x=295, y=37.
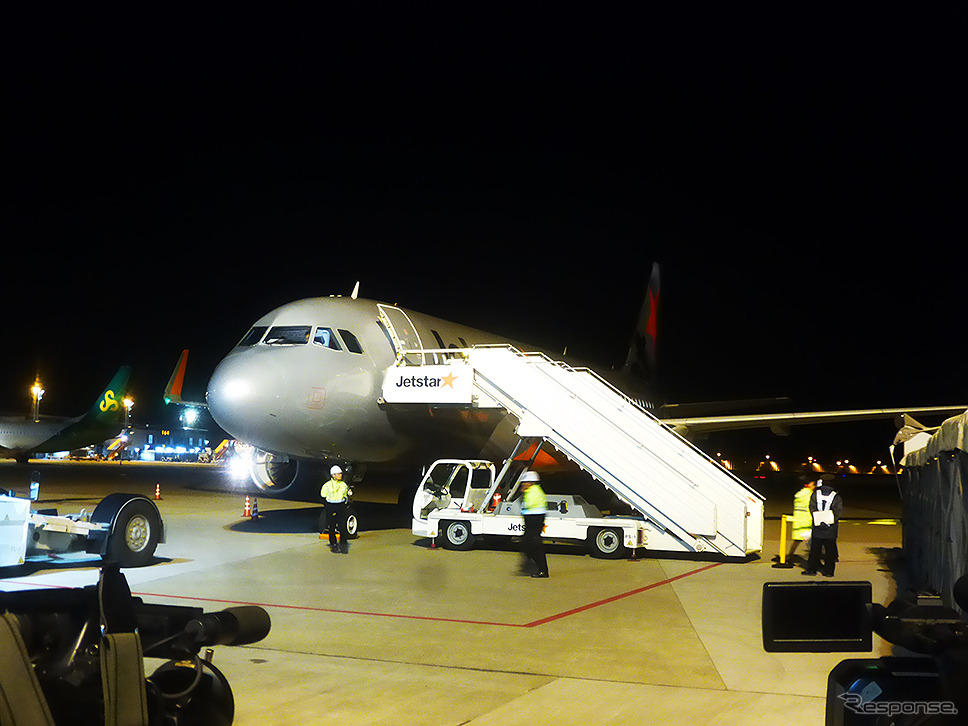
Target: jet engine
x=276, y=474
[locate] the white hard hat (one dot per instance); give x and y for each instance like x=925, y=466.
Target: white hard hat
x=530, y=476
x=335, y=470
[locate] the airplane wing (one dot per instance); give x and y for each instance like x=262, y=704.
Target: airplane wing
x=780, y=423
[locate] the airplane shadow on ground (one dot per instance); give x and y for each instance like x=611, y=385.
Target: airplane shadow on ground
x=371, y=517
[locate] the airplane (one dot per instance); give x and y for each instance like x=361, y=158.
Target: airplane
x=303, y=387
x=21, y=436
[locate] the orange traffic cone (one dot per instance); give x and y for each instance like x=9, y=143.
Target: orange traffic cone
x=247, y=512
x=157, y=492
x=255, y=508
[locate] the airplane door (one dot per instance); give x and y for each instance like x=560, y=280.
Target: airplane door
x=402, y=332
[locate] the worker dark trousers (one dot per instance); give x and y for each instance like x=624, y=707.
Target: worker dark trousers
x=336, y=518
x=823, y=555
x=533, y=546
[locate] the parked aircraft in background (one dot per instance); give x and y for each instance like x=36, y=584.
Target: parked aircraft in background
x=303, y=386
x=21, y=436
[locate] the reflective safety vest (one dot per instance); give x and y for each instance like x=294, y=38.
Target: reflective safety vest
x=335, y=491
x=824, y=519
x=802, y=521
x=825, y=501
x=534, y=501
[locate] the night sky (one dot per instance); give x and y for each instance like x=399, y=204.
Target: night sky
x=798, y=173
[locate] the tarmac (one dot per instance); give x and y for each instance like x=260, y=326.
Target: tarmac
x=398, y=631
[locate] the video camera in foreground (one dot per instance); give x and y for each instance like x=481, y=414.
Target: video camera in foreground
x=76, y=656
x=925, y=689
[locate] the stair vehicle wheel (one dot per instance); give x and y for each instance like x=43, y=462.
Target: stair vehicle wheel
x=137, y=530
x=457, y=535
x=352, y=524
x=606, y=542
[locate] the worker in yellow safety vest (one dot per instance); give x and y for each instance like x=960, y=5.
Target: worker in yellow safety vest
x=802, y=520
x=534, y=506
x=335, y=494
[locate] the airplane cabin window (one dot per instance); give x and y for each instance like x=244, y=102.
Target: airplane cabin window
x=325, y=338
x=351, y=341
x=253, y=336
x=288, y=335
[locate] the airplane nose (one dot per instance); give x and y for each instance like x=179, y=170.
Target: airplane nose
x=241, y=399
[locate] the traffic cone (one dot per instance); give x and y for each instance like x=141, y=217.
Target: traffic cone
x=255, y=508
x=157, y=492
x=247, y=512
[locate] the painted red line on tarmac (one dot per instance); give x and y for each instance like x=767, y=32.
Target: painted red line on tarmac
x=573, y=611
x=460, y=621
x=309, y=608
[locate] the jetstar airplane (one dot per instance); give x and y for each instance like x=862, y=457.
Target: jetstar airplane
x=303, y=386
x=21, y=436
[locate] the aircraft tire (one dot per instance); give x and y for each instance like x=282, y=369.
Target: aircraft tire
x=606, y=543
x=135, y=536
x=456, y=535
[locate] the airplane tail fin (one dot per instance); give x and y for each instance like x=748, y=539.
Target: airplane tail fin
x=641, y=359
x=110, y=404
x=173, y=391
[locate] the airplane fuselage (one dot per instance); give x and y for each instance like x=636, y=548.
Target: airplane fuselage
x=18, y=435
x=306, y=382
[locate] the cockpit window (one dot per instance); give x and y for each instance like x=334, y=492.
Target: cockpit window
x=326, y=338
x=253, y=336
x=288, y=335
x=352, y=344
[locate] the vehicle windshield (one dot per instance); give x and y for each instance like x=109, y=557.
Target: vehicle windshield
x=352, y=342
x=253, y=336
x=288, y=335
x=325, y=338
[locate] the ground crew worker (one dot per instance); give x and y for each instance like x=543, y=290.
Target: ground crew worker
x=826, y=508
x=802, y=520
x=335, y=494
x=534, y=505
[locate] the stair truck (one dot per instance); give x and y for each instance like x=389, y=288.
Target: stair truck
x=460, y=500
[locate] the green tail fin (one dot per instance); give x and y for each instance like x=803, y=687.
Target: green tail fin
x=109, y=406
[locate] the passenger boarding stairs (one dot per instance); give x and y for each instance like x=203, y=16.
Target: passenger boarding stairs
x=702, y=505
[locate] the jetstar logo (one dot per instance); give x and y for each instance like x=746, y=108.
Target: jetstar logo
x=451, y=383
x=427, y=381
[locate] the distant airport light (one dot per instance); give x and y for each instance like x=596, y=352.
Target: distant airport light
x=190, y=417
x=37, y=392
